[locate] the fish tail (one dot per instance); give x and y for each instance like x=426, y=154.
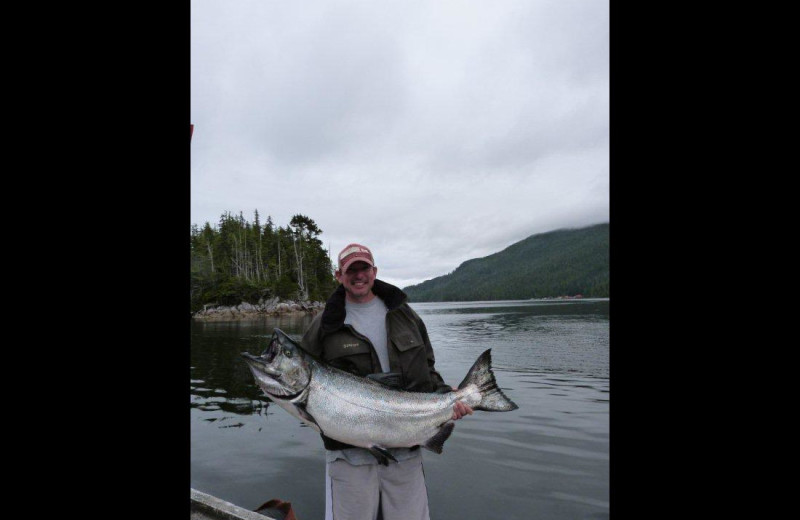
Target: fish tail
x=492, y=398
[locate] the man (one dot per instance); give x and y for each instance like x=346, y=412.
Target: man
x=368, y=329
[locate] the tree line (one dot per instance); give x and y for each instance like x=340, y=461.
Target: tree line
x=237, y=260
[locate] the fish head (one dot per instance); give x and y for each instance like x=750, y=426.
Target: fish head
x=282, y=370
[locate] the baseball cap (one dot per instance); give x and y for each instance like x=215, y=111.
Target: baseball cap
x=354, y=253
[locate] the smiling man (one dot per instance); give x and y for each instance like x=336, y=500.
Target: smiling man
x=357, y=273
x=367, y=328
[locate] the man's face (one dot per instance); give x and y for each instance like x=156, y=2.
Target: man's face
x=358, y=280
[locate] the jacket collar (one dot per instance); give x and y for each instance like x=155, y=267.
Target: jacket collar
x=334, y=313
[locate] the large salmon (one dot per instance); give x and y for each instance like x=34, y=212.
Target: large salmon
x=362, y=412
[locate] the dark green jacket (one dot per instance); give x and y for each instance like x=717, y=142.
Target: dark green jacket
x=410, y=351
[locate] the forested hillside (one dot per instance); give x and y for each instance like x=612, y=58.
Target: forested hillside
x=565, y=262
x=238, y=261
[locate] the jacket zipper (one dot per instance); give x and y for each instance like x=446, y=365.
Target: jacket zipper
x=364, y=338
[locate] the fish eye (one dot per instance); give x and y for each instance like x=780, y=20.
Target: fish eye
x=287, y=352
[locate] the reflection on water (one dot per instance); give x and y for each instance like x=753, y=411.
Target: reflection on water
x=547, y=460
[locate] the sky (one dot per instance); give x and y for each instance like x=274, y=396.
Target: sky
x=432, y=132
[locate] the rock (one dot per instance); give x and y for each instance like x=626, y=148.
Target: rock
x=246, y=310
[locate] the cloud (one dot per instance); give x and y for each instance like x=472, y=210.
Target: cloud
x=433, y=132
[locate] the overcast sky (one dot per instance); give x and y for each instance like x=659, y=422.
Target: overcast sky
x=431, y=131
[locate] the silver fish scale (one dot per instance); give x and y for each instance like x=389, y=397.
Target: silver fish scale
x=363, y=413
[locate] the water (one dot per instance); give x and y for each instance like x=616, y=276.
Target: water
x=547, y=460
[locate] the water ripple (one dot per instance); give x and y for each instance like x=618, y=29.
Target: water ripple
x=579, y=499
x=539, y=468
x=529, y=446
x=551, y=455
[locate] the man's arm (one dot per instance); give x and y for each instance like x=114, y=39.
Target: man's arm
x=439, y=386
x=459, y=409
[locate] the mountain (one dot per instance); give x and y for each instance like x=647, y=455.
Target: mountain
x=564, y=262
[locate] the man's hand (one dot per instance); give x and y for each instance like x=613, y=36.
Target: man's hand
x=460, y=409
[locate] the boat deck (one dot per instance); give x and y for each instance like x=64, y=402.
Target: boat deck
x=208, y=507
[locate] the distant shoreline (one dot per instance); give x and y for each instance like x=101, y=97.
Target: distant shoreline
x=264, y=308
x=277, y=307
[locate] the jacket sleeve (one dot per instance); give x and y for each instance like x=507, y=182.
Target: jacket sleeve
x=437, y=381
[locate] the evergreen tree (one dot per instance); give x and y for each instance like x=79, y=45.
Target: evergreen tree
x=239, y=261
x=559, y=263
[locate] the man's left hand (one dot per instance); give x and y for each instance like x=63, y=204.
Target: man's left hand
x=460, y=410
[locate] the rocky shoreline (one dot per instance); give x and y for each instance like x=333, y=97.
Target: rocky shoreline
x=247, y=311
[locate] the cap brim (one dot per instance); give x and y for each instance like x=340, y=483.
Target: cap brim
x=354, y=260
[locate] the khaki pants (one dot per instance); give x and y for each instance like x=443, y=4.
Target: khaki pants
x=356, y=492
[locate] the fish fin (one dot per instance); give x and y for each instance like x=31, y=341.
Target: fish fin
x=307, y=417
x=382, y=454
x=492, y=398
x=436, y=442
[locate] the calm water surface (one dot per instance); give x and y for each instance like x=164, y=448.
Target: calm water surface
x=547, y=460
